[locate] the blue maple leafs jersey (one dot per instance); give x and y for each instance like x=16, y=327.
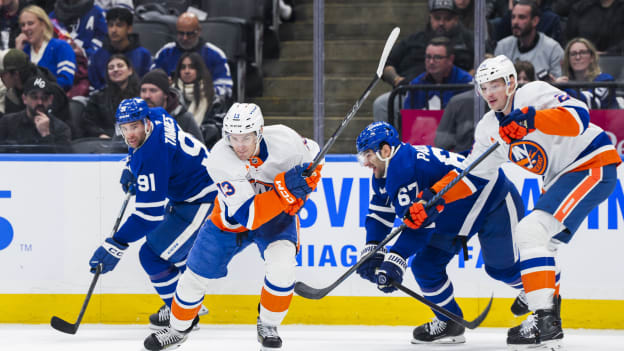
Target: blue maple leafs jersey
x=417, y=167
x=170, y=165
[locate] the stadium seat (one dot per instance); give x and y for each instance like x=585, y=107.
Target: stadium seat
x=172, y=7
x=96, y=145
x=76, y=106
x=613, y=65
x=153, y=34
x=252, y=12
x=228, y=34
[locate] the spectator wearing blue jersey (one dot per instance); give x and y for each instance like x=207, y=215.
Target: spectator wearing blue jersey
x=166, y=171
x=120, y=40
x=188, y=39
x=580, y=64
x=36, y=40
x=157, y=92
x=98, y=119
x=403, y=172
x=439, y=69
x=84, y=21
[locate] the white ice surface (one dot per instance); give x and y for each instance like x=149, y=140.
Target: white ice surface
x=93, y=337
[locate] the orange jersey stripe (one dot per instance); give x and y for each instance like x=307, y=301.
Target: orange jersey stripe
x=570, y=202
x=215, y=217
x=275, y=303
x=182, y=313
x=604, y=158
x=538, y=280
x=557, y=121
x=266, y=206
x=457, y=192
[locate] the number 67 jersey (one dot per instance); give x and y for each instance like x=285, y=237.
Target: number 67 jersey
x=170, y=165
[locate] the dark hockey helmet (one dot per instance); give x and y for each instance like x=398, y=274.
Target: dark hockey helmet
x=376, y=134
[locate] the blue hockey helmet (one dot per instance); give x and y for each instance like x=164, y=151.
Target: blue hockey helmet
x=131, y=110
x=376, y=134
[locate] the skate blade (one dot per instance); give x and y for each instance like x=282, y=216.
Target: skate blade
x=551, y=345
x=157, y=327
x=265, y=348
x=460, y=339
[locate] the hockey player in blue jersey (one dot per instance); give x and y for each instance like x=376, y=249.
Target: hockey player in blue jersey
x=166, y=168
x=400, y=173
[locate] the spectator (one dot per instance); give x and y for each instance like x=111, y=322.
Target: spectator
x=83, y=21
x=156, y=92
x=528, y=44
x=580, y=64
x=35, y=129
x=15, y=71
x=549, y=22
x=81, y=79
x=120, y=40
x=406, y=60
x=563, y=7
x=98, y=119
x=439, y=69
x=600, y=22
x=9, y=21
x=525, y=71
x=193, y=79
x=36, y=40
x=188, y=39
x=465, y=11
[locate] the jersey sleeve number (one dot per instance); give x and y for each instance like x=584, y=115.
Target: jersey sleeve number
x=226, y=188
x=146, y=182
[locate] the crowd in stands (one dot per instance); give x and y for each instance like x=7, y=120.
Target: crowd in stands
x=550, y=40
x=85, y=52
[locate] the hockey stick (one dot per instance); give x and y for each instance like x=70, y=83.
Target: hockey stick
x=304, y=290
x=470, y=325
x=382, y=63
x=69, y=328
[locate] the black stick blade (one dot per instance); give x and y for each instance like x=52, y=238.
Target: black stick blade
x=63, y=326
x=477, y=321
x=304, y=290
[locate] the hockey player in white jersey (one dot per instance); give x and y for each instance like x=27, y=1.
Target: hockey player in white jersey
x=400, y=172
x=258, y=171
x=545, y=131
x=174, y=194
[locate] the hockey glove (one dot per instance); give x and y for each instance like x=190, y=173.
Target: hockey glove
x=294, y=208
x=418, y=216
x=517, y=124
x=128, y=183
x=292, y=185
x=369, y=267
x=108, y=255
x=391, y=269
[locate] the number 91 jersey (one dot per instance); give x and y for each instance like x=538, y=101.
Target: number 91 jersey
x=170, y=164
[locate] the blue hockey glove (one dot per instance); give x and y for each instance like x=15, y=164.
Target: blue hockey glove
x=368, y=268
x=391, y=269
x=128, y=183
x=108, y=255
x=517, y=124
x=292, y=185
x=418, y=216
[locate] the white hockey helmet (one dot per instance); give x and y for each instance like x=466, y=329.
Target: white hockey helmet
x=495, y=68
x=242, y=119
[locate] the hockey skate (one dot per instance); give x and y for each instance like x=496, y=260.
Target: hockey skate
x=160, y=319
x=520, y=306
x=168, y=338
x=439, y=332
x=540, y=331
x=268, y=337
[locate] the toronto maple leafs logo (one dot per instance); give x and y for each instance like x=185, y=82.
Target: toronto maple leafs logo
x=529, y=155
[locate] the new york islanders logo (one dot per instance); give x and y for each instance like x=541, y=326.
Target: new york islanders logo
x=529, y=155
